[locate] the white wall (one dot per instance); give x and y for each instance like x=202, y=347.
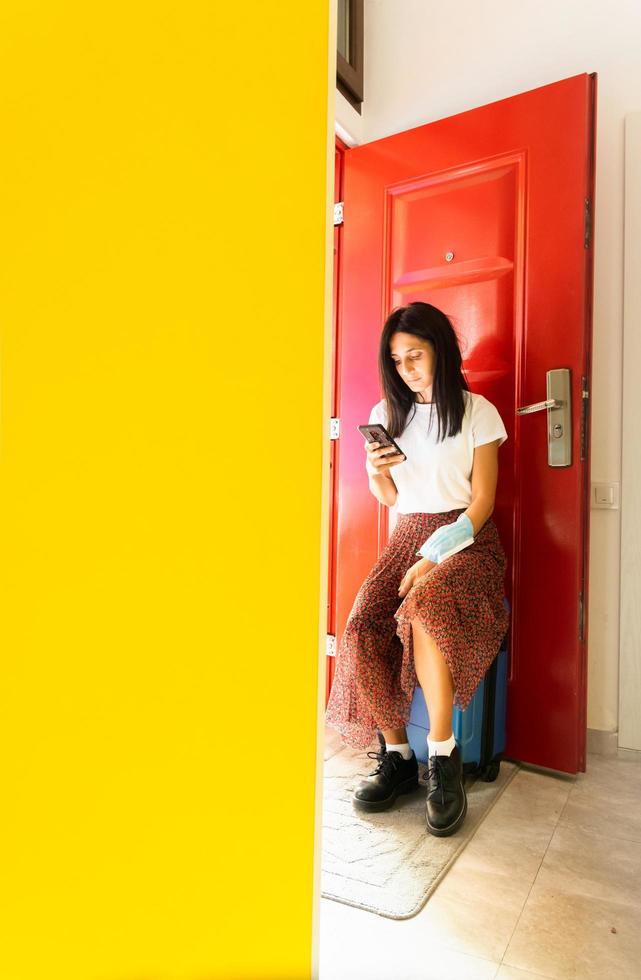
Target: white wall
x=630, y=618
x=426, y=60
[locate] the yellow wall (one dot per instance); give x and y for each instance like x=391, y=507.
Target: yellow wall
x=162, y=278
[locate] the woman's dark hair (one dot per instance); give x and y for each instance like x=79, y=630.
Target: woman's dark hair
x=429, y=323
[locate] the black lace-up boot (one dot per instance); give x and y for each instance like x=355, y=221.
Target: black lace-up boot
x=393, y=775
x=446, y=804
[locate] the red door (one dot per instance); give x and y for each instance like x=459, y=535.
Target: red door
x=487, y=215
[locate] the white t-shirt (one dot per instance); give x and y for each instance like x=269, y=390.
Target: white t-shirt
x=435, y=477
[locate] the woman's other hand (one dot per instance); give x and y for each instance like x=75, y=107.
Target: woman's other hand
x=380, y=458
x=414, y=573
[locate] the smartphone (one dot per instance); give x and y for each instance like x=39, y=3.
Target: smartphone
x=378, y=433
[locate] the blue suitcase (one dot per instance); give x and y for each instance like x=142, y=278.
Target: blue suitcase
x=480, y=729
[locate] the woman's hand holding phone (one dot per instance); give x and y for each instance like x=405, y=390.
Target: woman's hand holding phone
x=381, y=458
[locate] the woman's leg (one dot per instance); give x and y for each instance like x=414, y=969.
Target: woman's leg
x=446, y=803
x=397, y=736
x=435, y=678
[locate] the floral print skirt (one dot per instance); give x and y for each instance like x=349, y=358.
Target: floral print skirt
x=458, y=602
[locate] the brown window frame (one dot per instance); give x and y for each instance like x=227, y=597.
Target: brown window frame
x=349, y=74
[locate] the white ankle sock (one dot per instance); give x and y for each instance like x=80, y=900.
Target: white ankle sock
x=402, y=747
x=441, y=748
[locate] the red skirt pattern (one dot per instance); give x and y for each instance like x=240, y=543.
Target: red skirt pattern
x=459, y=603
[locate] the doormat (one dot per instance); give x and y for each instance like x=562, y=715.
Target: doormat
x=388, y=862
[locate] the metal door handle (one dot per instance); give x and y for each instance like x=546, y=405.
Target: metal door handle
x=538, y=406
x=558, y=404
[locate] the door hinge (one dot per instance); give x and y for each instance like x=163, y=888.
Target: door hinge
x=334, y=428
x=585, y=405
x=581, y=616
x=587, y=223
x=338, y=213
x=330, y=648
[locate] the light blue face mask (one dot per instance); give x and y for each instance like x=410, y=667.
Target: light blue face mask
x=448, y=539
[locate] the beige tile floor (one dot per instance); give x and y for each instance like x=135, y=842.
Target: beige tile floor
x=548, y=886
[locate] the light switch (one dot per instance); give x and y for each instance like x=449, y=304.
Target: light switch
x=605, y=495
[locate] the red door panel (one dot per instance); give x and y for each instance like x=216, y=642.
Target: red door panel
x=483, y=215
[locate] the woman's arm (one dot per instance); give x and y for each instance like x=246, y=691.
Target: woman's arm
x=485, y=472
x=384, y=489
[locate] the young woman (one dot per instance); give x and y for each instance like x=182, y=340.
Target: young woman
x=421, y=616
